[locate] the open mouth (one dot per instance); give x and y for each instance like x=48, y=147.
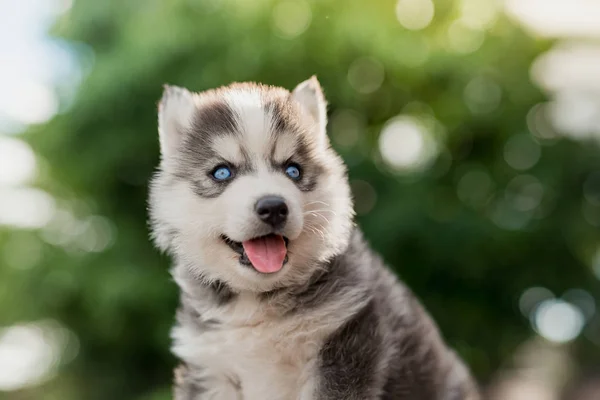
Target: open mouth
x=266, y=254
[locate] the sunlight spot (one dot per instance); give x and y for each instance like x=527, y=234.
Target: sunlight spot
x=30, y=103
x=531, y=298
x=568, y=66
x=557, y=17
x=364, y=195
x=92, y=234
x=521, y=152
x=478, y=14
x=558, y=321
x=97, y=234
x=291, y=18
x=405, y=144
x=366, y=75
x=575, y=114
x=17, y=162
x=582, y=299
x=29, y=353
x=346, y=127
x=539, y=123
x=463, y=39
x=524, y=192
x=415, y=14
x=482, y=95
x=25, y=207
x=506, y=216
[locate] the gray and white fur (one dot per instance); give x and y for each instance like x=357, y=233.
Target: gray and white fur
x=334, y=322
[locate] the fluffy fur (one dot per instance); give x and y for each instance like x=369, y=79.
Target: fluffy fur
x=334, y=323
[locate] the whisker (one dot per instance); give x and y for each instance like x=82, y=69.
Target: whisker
x=316, y=230
x=321, y=210
x=317, y=201
x=320, y=215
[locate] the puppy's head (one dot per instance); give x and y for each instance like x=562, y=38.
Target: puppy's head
x=249, y=191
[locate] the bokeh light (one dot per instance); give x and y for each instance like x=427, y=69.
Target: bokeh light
x=415, y=14
x=346, y=127
x=583, y=300
x=558, y=321
x=538, y=122
x=90, y=234
x=521, y=152
x=482, y=95
x=25, y=207
x=575, y=115
x=531, y=298
x=506, y=216
x=557, y=18
x=571, y=65
x=524, y=192
x=291, y=18
x=17, y=162
x=29, y=353
x=366, y=75
x=464, y=39
x=479, y=14
x=406, y=145
x=364, y=195
x=31, y=103
x=475, y=187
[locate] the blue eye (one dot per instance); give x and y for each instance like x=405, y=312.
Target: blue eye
x=222, y=173
x=293, y=171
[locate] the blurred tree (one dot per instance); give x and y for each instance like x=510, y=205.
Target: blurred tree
x=498, y=209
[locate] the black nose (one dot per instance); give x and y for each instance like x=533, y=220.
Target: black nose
x=272, y=210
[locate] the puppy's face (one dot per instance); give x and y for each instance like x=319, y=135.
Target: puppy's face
x=249, y=191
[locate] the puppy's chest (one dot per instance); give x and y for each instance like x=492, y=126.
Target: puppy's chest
x=263, y=361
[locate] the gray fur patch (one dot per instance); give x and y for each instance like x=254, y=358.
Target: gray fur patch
x=198, y=159
x=283, y=117
x=215, y=118
x=186, y=387
x=350, y=359
x=303, y=156
x=222, y=292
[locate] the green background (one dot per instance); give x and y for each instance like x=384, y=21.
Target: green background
x=468, y=248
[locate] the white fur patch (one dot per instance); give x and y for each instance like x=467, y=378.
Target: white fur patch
x=176, y=110
x=229, y=148
x=310, y=96
x=253, y=119
x=258, y=356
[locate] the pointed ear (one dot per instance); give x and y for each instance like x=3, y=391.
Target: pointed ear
x=310, y=96
x=175, y=112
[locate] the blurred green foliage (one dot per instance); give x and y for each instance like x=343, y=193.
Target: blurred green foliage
x=466, y=264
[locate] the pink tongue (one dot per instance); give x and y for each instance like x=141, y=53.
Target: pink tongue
x=266, y=253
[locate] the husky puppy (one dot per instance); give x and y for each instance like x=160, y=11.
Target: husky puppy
x=281, y=299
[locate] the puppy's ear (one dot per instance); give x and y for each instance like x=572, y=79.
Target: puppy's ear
x=310, y=96
x=175, y=114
